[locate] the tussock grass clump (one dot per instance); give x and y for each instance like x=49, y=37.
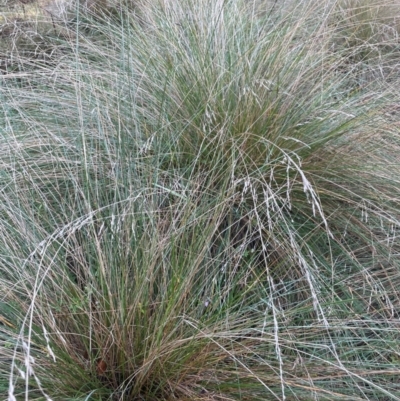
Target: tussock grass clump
x=198, y=203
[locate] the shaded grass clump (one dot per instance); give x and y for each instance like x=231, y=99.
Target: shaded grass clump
x=367, y=34
x=198, y=203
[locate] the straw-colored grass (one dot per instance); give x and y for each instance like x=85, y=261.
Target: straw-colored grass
x=199, y=201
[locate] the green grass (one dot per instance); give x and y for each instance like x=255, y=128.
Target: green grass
x=200, y=201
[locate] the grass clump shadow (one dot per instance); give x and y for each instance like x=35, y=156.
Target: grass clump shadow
x=198, y=203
